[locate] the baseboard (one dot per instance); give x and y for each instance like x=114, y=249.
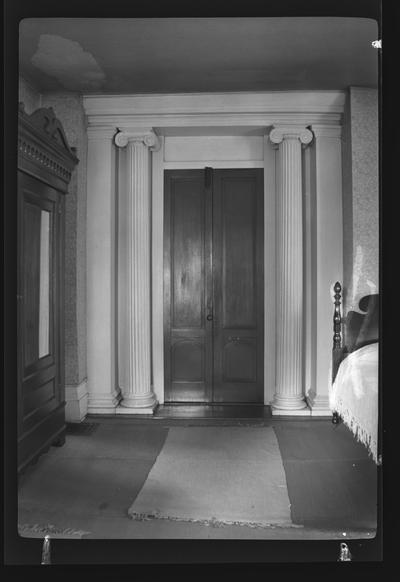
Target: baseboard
x=124, y=410
x=280, y=412
x=76, y=398
x=103, y=403
x=319, y=405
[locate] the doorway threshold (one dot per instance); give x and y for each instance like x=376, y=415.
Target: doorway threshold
x=213, y=412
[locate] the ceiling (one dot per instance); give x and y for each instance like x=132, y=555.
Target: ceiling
x=183, y=55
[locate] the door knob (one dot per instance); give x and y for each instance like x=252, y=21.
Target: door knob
x=209, y=317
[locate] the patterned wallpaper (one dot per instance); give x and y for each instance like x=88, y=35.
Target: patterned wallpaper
x=29, y=96
x=360, y=196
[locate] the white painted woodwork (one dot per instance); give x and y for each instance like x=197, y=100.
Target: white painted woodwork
x=159, y=165
x=157, y=278
x=298, y=102
x=100, y=281
x=211, y=131
x=138, y=396
x=327, y=267
x=269, y=270
x=289, y=393
x=122, y=249
x=76, y=402
x=194, y=112
x=217, y=148
x=211, y=118
x=307, y=264
x=216, y=164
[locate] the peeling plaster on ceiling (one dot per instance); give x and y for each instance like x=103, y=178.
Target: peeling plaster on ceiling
x=185, y=55
x=68, y=62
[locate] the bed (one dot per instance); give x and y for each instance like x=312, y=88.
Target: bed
x=354, y=397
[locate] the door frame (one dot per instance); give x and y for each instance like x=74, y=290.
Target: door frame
x=240, y=113
x=158, y=167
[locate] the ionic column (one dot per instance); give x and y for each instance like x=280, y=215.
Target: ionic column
x=138, y=396
x=289, y=394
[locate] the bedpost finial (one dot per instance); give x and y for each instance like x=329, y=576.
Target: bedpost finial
x=337, y=288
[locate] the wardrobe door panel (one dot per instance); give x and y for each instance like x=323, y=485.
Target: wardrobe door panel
x=41, y=392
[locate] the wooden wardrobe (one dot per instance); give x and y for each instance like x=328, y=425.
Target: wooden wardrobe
x=45, y=164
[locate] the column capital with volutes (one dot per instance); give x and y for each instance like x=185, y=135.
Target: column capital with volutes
x=279, y=133
x=144, y=136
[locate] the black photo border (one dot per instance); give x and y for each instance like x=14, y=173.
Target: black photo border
x=219, y=559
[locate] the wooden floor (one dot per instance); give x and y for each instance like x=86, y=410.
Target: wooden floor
x=232, y=411
x=332, y=482
x=89, y=485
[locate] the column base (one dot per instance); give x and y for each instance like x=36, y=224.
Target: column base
x=289, y=406
x=121, y=409
x=319, y=405
x=138, y=404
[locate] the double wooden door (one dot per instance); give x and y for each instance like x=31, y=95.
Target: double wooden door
x=214, y=286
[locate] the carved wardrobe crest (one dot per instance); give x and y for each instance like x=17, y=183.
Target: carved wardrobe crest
x=42, y=144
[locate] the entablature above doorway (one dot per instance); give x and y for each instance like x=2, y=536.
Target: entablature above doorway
x=206, y=113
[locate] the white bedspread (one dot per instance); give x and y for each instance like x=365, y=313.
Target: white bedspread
x=354, y=395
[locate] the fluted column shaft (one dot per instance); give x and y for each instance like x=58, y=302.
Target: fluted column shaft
x=138, y=396
x=289, y=394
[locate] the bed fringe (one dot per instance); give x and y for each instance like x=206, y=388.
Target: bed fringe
x=360, y=433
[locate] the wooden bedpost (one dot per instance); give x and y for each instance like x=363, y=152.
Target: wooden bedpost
x=337, y=318
x=337, y=339
x=337, y=331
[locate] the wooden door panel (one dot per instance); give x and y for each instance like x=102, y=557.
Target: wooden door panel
x=39, y=396
x=39, y=266
x=213, y=286
x=187, y=360
x=187, y=340
x=187, y=255
x=40, y=392
x=238, y=210
x=38, y=414
x=31, y=270
x=239, y=360
x=238, y=286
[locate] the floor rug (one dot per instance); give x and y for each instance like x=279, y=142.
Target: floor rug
x=217, y=476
